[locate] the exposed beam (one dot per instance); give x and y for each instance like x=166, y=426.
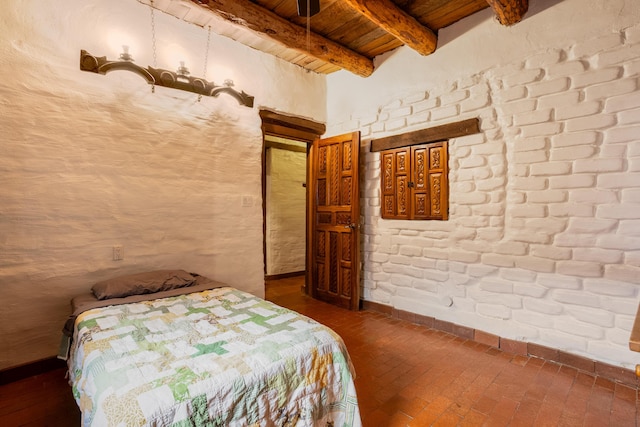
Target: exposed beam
x=509, y=12
x=260, y=20
x=425, y=136
x=398, y=23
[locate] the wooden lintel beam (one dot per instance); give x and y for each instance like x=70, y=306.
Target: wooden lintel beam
x=262, y=21
x=509, y=12
x=425, y=136
x=398, y=23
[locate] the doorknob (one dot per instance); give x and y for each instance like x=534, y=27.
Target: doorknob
x=351, y=226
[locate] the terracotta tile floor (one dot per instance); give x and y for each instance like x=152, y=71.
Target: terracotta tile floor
x=408, y=375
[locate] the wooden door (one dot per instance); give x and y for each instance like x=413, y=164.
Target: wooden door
x=333, y=220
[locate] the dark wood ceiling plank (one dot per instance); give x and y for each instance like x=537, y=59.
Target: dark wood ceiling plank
x=398, y=23
x=268, y=24
x=509, y=12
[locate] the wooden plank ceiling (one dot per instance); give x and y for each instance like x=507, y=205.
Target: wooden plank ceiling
x=344, y=34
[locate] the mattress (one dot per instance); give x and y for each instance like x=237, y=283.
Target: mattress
x=218, y=357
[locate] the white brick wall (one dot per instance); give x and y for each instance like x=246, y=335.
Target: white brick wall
x=545, y=214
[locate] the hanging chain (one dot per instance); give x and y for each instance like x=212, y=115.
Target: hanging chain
x=308, y=26
x=153, y=44
x=206, y=59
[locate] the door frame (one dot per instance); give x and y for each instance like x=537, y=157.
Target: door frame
x=299, y=129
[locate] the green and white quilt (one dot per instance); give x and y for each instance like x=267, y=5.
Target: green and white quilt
x=221, y=357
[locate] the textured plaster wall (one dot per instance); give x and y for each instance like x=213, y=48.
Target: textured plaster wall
x=88, y=162
x=286, y=207
x=543, y=240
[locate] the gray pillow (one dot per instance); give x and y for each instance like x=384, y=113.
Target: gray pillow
x=142, y=283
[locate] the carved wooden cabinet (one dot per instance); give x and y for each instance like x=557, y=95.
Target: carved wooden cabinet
x=414, y=182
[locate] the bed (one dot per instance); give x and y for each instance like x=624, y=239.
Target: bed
x=170, y=348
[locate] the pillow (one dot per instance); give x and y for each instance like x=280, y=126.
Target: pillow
x=142, y=283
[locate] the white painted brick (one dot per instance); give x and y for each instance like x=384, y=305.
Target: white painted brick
x=494, y=209
x=618, y=56
x=378, y=257
x=551, y=252
x=528, y=237
x=542, y=129
x=631, y=195
x=517, y=107
x=576, y=298
x=591, y=225
x=528, y=211
x=594, y=77
x=497, y=260
x=472, y=162
x=470, y=198
x=610, y=288
x=607, y=90
x=626, y=273
x=479, y=270
x=542, y=306
x=629, y=227
x=512, y=94
x=573, y=153
x=613, y=150
x=632, y=68
x=518, y=275
x=464, y=256
x=425, y=285
x=535, y=319
x=544, y=59
x=454, y=97
x=600, y=121
x=529, y=290
x=575, y=138
x=622, y=102
x=400, y=112
x=547, y=196
x=530, y=144
x=559, y=282
x=624, y=243
x=573, y=327
x=558, y=100
x=572, y=181
x=417, y=119
x=634, y=149
x=522, y=77
x=632, y=259
x=508, y=300
x=572, y=240
x=435, y=253
x=490, y=235
x=598, y=165
x=490, y=184
x=565, y=341
x=618, y=211
x=469, y=140
x=377, y=127
x=550, y=169
x=580, y=268
x=578, y=110
x=629, y=117
x=593, y=46
x=415, y=97
x=408, y=250
x=400, y=281
x=533, y=156
x=547, y=87
x=619, y=180
x=422, y=106
x=597, y=255
x=529, y=184
x=632, y=34
x=568, y=68
x=592, y=316
x=494, y=311
x=571, y=209
x=424, y=263
x=533, y=117
x=395, y=124
x=622, y=134
x=475, y=102
x=496, y=285
x=381, y=277
x=444, y=112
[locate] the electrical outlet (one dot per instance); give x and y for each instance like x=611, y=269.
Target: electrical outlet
x=118, y=253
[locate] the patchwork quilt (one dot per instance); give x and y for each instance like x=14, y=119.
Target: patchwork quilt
x=220, y=357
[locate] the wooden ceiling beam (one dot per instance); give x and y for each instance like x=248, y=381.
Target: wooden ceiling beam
x=509, y=12
x=268, y=24
x=398, y=23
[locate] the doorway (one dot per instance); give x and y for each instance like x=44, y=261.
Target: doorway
x=285, y=207
x=285, y=138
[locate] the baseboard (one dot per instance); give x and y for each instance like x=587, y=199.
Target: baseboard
x=284, y=275
x=30, y=369
x=593, y=367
